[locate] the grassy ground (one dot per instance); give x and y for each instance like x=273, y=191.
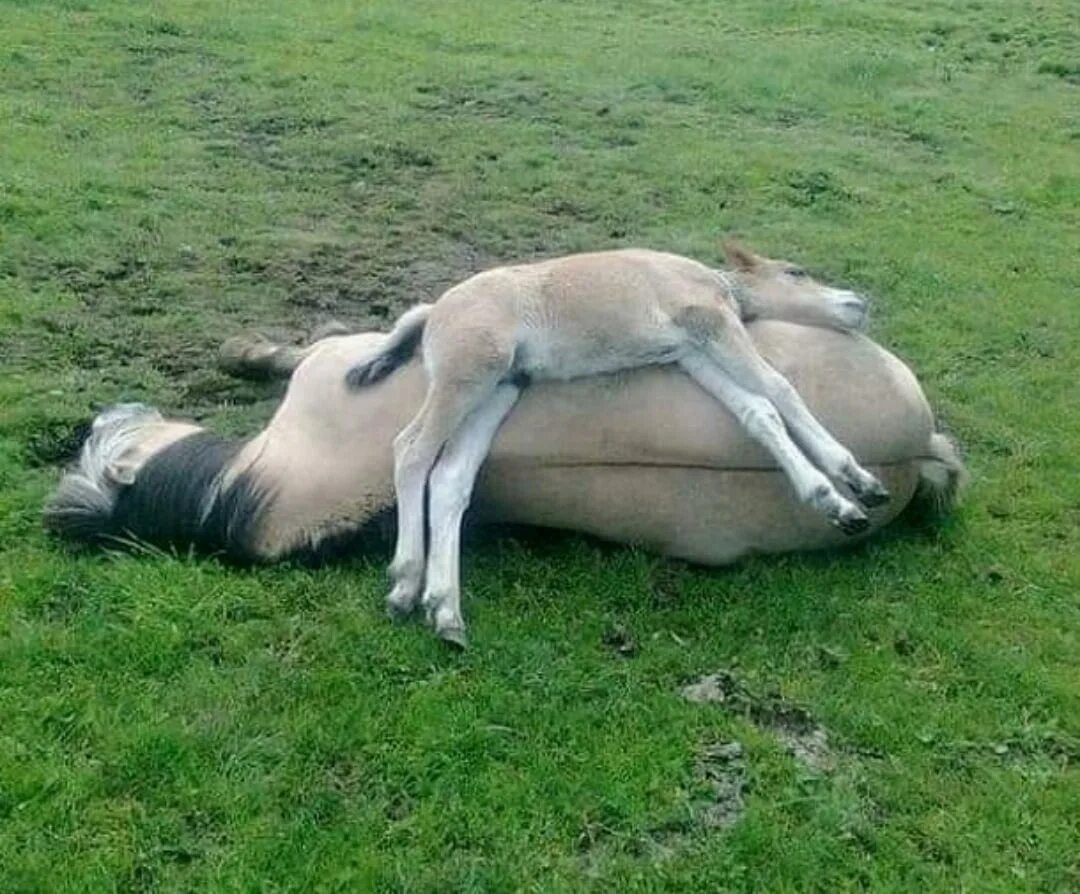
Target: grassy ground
x=173, y=173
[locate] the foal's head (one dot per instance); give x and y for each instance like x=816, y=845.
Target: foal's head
x=780, y=290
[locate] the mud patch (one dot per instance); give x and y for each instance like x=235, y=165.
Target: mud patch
x=804, y=739
x=368, y=287
x=721, y=769
x=620, y=641
x=716, y=801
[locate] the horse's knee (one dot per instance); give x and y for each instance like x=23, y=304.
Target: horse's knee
x=414, y=454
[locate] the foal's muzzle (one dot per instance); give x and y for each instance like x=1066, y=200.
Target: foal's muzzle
x=850, y=310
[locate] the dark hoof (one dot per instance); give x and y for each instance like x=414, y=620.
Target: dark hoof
x=454, y=636
x=396, y=612
x=852, y=524
x=876, y=496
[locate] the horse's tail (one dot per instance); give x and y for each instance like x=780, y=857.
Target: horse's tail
x=942, y=478
x=398, y=348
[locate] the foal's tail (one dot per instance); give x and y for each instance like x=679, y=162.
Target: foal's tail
x=398, y=348
x=942, y=477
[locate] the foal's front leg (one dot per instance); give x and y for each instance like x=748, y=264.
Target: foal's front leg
x=760, y=419
x=736, y=354
x=450, y=489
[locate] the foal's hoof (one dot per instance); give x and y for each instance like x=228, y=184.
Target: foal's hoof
x=397, y=612
x=875, y=495
x=454, y=636
x=852, y=523
x=400, y=605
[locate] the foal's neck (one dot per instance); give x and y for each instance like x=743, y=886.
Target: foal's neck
x=737, y=292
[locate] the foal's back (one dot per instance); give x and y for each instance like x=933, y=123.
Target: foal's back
x=580, y=314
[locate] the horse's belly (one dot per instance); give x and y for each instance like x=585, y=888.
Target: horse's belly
x=712, y=516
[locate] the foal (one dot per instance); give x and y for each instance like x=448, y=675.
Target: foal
x=582, y=315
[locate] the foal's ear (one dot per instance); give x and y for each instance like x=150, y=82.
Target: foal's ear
x=740, y=257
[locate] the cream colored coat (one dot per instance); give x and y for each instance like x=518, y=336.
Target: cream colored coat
x=643, y=457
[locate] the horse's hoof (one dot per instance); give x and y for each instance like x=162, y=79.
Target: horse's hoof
x=454, y=636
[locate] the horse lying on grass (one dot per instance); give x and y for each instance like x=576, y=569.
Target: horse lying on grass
x=582, y=315
x=642, y=457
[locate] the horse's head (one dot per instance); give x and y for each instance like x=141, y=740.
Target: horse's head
x=780, y=290
x=120, y=441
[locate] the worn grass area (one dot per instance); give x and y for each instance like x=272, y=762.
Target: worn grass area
x=173, y=173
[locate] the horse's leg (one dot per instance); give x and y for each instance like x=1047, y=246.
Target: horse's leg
x=449, y=491
x=730, y=347
x=255, y=356
x=760, y=419
x=456, y=388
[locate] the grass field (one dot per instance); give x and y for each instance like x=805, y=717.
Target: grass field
x=171, y=174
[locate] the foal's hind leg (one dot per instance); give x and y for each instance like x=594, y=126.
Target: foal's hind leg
x=449, y=400
x=449, y=491
x=729, y=346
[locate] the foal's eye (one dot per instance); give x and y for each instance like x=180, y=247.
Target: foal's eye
x=795, y=272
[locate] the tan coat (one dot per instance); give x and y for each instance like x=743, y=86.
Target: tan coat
x=643, y=457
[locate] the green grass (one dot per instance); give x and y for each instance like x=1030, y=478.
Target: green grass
x=173, y=173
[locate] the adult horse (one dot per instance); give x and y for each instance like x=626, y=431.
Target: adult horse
x=642, y=457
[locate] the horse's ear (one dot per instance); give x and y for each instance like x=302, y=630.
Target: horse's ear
x=741, y=258
x=121, y=469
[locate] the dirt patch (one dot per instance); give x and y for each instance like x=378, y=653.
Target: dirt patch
x=368, y=288
x=620, y=641
x=717, y=802
x=721, y=768
x=804, y=739
x=234, y=131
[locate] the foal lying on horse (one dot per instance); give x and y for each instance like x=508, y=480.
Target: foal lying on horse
x=584, y=315
x=643, y=457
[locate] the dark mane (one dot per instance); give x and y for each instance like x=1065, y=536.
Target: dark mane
x=175, y=500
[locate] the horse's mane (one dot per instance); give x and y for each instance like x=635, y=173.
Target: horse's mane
x=177, y=500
